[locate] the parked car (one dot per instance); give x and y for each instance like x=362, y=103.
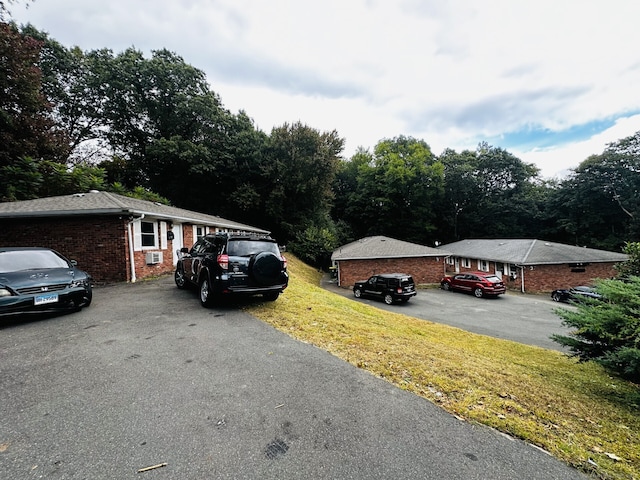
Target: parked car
x=40, y=280
x=389, y=287
x=574, y=294
x=224, y=265
x=481, y=284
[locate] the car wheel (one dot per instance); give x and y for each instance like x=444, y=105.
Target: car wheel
x=357, y=293
x=445, y=286
x=272, y=296
x=266, y=268
x=206, y=295
x=477, y=292
x=82, y=301
x=388, y=299
x=179, y=277
x=86, y=301
x=556, y=297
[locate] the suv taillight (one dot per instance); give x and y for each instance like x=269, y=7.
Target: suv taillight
x=399, y=290
x=284, y=261
x=223, y=261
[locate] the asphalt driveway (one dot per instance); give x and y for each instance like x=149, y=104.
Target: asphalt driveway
x=147, y=377
x=528, y=319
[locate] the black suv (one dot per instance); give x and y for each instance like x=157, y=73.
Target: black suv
x=226, y=264
x=390, y=287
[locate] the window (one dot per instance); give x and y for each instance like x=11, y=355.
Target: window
x=198, y=232
x=450, y=261
x=466, y=263
x=483, y=265
x=148, y=234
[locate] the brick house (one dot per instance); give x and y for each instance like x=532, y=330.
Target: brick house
x=113, y=237
x=372, y=255
x=532, y=265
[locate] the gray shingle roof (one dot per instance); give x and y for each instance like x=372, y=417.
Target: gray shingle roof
x=106, y=203
x=530, y=252
x=383, y=247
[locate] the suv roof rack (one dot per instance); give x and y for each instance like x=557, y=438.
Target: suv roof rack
x=240, y=233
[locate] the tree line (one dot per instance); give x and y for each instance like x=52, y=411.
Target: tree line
x=152, y=127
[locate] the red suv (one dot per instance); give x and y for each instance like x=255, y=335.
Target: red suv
x=481, y=284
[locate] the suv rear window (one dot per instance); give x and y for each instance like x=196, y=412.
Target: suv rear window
x=246, y=248
x=406, y=281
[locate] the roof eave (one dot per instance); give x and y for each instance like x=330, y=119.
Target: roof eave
x=378, y=257
x=65, y=213
x=131, y=212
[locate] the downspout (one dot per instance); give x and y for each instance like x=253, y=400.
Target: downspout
x=132, y=260
x=522, y=279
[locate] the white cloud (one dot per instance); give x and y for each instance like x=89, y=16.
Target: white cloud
x=556, y=161
x=451, y=73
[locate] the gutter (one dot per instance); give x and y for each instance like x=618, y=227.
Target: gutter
x=132, y=260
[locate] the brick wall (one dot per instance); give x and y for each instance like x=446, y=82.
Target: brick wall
x=545, y=278
x=98, y=244
x=424, y=270
x=144, y=270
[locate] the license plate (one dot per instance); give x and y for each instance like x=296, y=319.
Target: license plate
x=47, y=298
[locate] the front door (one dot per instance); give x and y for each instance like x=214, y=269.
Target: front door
x=177, y=242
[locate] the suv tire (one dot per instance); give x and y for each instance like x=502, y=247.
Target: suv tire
x=179, y=277
x=265, y=268
x=272, y=296
x=206, y=293
x=388, y=299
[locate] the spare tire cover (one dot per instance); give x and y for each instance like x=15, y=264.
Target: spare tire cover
x=265, y=268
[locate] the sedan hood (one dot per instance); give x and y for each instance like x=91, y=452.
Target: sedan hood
x=33, y=278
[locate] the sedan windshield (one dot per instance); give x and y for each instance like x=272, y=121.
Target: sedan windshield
x=15, y=261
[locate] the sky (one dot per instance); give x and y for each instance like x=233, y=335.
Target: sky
x=550, y=81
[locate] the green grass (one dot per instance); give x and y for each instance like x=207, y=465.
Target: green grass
x=575, y=411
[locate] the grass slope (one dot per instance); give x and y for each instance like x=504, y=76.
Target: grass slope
x=573, y=410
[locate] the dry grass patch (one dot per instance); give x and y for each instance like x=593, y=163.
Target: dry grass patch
x=574, y=411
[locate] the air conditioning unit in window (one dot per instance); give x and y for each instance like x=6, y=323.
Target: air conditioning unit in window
x=154, y=257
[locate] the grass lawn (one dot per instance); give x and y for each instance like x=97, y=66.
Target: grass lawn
x=575, y=411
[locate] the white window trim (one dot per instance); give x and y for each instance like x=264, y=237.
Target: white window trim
x=466, y=262
x=197, y=237
x=137, y=235
x=483, y=265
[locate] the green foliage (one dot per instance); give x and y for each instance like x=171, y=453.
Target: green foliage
x=315, y=245
x=138, y=192
x=632, y=266
x=489, y=193
x=20, y=180
x=144, y=194
x=608, y=331
x=25, y=179
x=26, y=129
x=300, y=166
x=392, y=191
x=599, y=205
